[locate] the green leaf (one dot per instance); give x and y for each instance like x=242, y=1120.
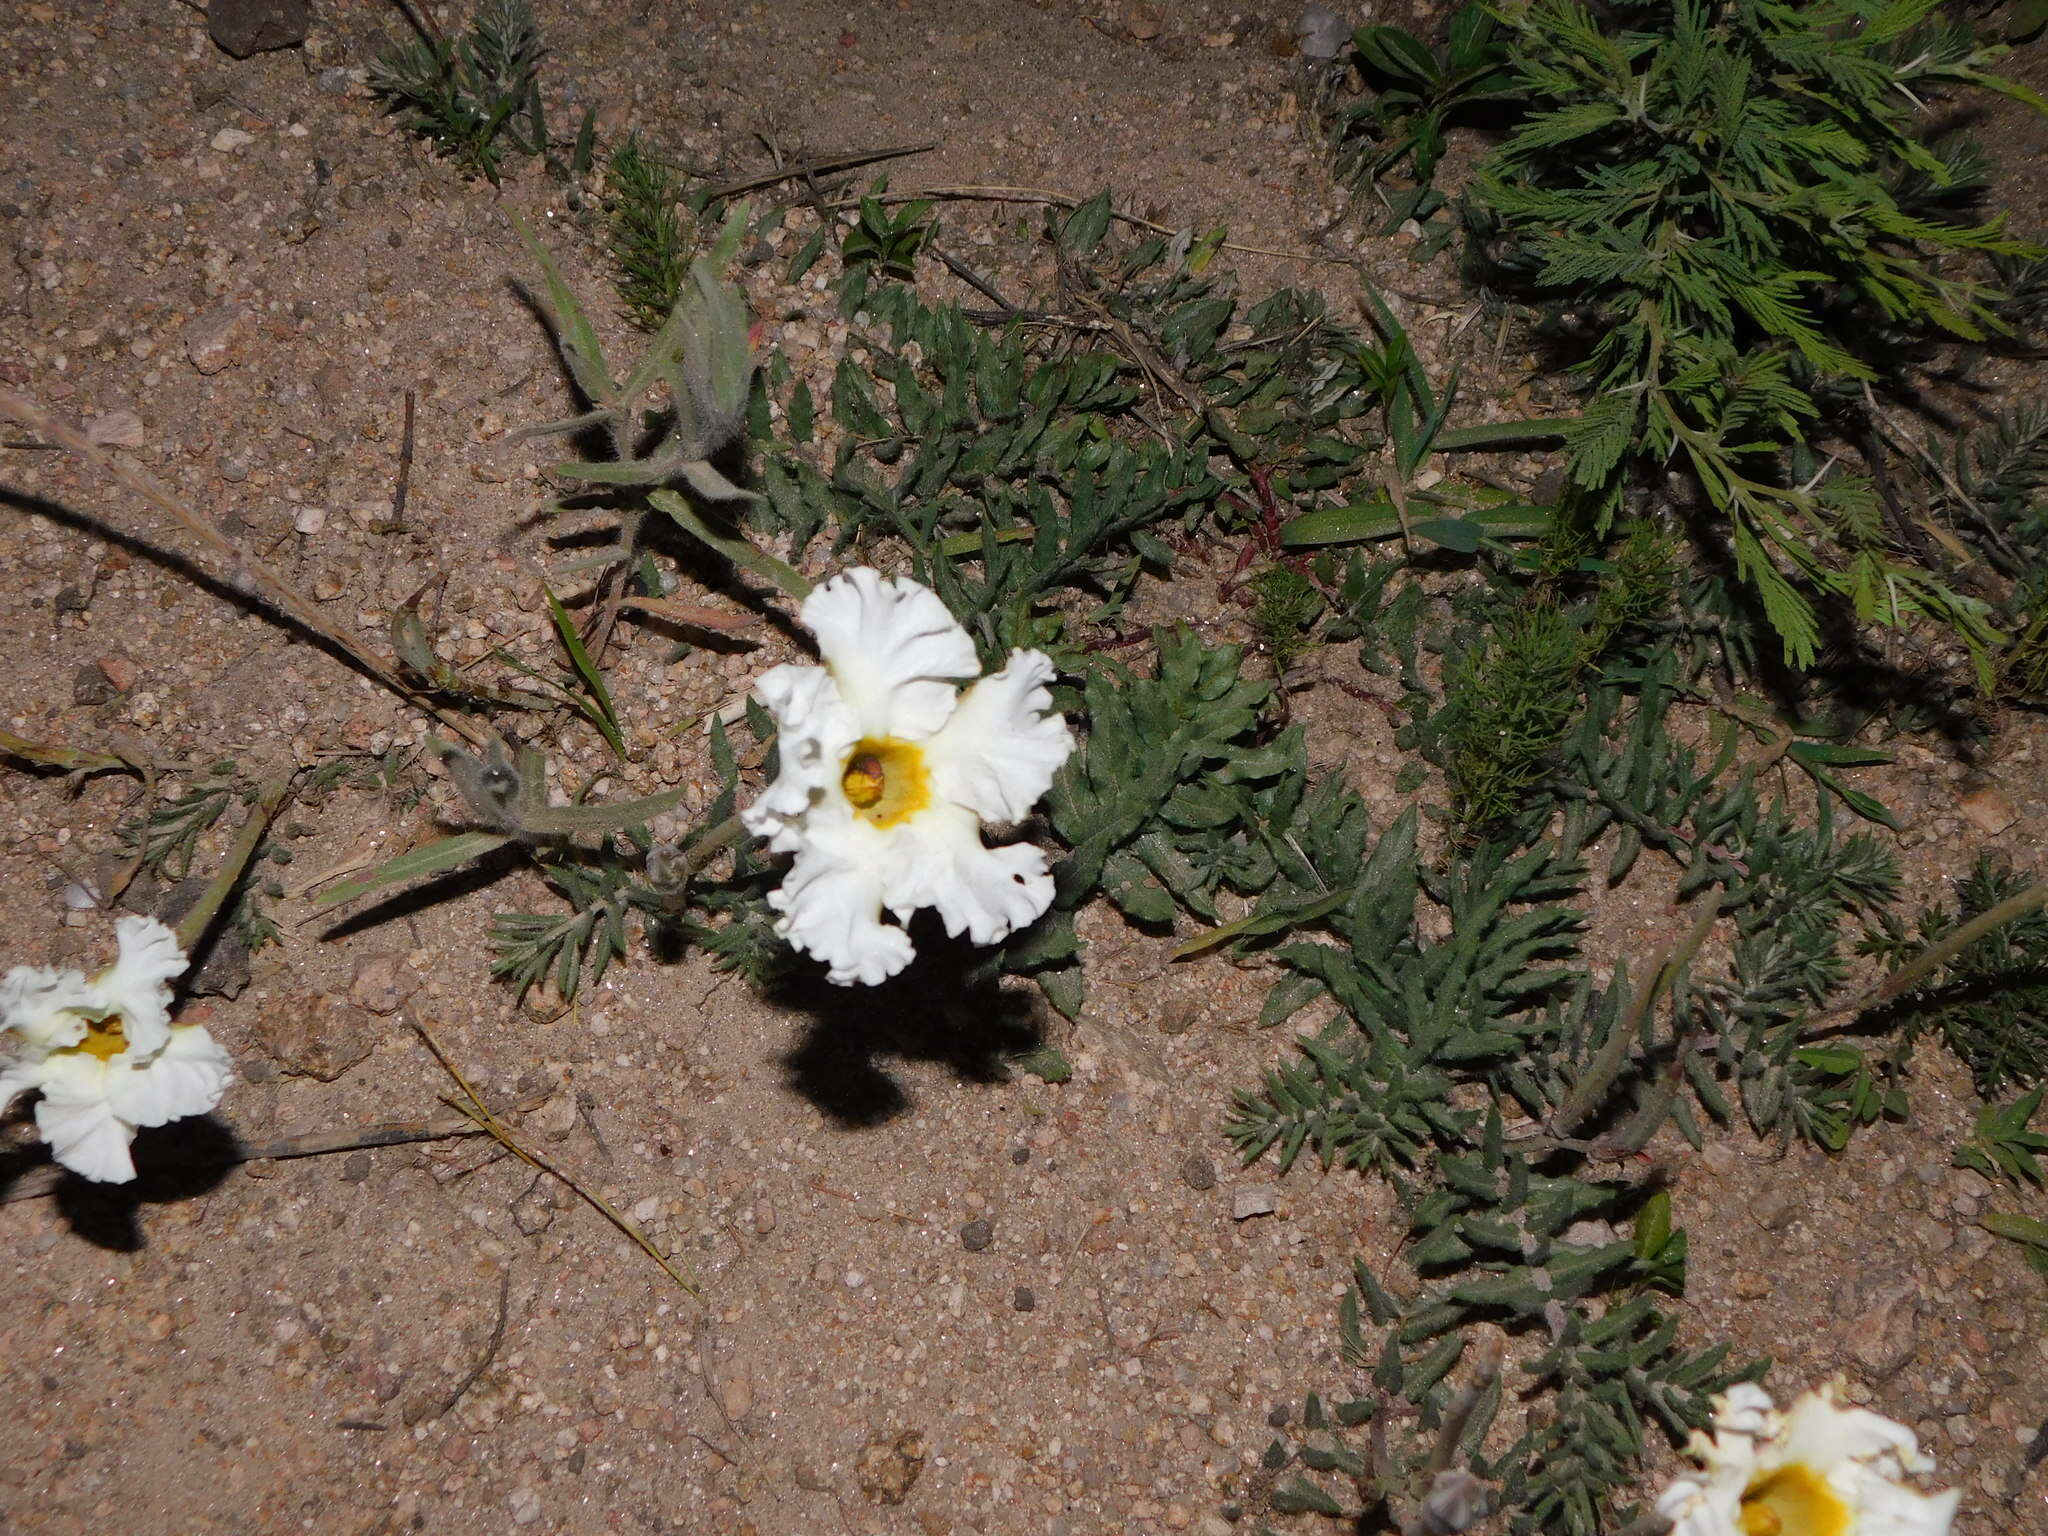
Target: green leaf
x=1045, y=1062
x=1400, y=54
x=1260, y=924
x=580, y=346
x=598, y=708
x=427, y=859
x=1653, y=1225
x=1299, y=1496
x=2021, y=1229
x=1835, y=1060
x=612, y=472
x=1342, y=525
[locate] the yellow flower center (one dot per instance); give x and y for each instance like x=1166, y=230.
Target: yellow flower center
x=104, y=1038
x=886, y=780
x=1793, y=1501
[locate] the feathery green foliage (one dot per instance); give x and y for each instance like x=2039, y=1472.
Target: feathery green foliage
x=471, y=96
x=164, y=838
x=646, y=232
x=1718, y=182
x=1989, y=1004
x=1730, y=210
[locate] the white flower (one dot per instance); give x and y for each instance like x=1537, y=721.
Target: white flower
x=105, y=1053
x=1818, y=1469
x=888, y=772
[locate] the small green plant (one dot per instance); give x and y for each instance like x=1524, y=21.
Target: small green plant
x=163, y=840
x=650, y=239
x=1285, y=607
x=1717, y=183
x=474, y=96
x=2004, y=1145
x=1415, y=94
x=1507, y=706
x=881, y=243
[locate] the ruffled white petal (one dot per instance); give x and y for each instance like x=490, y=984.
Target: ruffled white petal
x=137, y=986
x=16, y=1078
x=1696, y=1510
x=187, y=1077
x=1861, y=1458
x=82, y=1129
x=1818, y=1431
x=937, y=860
x=1745, y=1409
x=831, y=905
x=892, y=657
x=40, y=1004
x=814, y=733
x=1882, y=1508
x=999, y=751
x=893, y=648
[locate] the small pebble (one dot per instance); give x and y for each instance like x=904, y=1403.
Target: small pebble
x=355, y=1168
x=1989, y=809
x=1026, y=1300
x=977, y=1235
x=764, y=1218
x=1255, y=1200
x=116, y=429
x=1197, y=1172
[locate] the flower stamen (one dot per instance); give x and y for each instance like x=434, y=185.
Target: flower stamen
x=886, y=781
x=1792, y=1501
x=104, y=1038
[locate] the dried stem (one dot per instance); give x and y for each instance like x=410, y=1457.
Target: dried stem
x=38, y=1182
x=1929, y=959
x=193, y=925
x=243, y=567
x=472, y=1105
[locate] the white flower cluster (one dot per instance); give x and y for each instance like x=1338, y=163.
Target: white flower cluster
x=1817, y=1469
x=888, y=772
x=105, y=1053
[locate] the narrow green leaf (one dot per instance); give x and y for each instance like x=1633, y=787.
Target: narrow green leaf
x=603, y=715
x=2021, y=1229
x=427, y=859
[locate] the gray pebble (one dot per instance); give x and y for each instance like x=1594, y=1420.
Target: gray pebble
x=1197, y=1172
x=977, y=1235
x=1255, y=1200
x=355, y=1168
x=244, y=27
x=1026, y=1299
x=1885, y=1335
x=89, y=685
